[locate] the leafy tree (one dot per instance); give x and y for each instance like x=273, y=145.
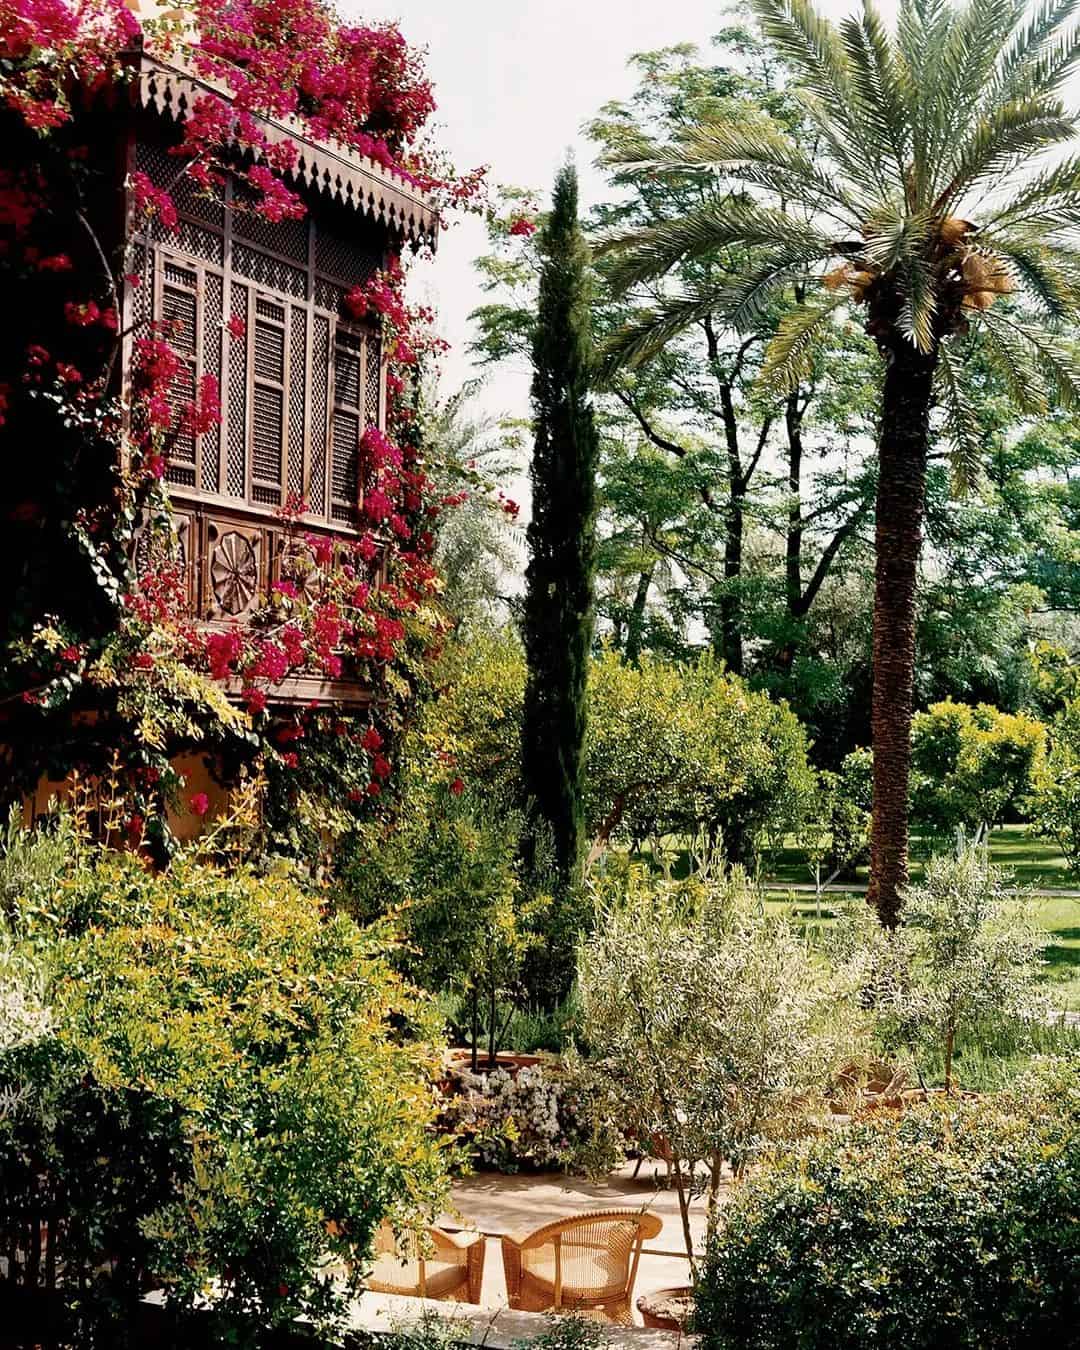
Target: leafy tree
x=971, y=767
x=672, y=747
x=470, y=454
x=898, y=213
x=965, y=953
x=1056, y=798
x=558, y=612
x=687, y=748
x=470, y=911
x=720, y=509
x=711, y=1021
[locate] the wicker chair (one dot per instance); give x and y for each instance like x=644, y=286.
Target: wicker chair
x=440, y=1265
x=586, y=1263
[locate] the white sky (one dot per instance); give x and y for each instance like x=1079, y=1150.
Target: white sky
x=514, y=81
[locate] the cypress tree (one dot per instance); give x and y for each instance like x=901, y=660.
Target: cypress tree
x=558, y=611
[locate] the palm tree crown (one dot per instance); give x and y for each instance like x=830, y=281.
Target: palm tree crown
x=909, y=205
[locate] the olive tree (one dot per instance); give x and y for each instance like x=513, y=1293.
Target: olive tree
x=964, y=953
x=709, y=1020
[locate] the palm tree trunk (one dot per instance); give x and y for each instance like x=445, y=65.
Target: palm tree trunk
x=901, y=496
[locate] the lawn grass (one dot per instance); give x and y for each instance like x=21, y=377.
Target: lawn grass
x=1032, y=860
x=1058, y=915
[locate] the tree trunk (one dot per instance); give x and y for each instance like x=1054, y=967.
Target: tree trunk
x=635, y=627
x=730, y=601
x=793, y=550
x=730, y=604
x=901, y=494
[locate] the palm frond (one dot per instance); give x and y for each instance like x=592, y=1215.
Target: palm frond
x=644, y=336
x=892, y=235
x=919, y=309
x=1049, y=274
x=957, y=75
x=878, y=80
x=749, y=150
x=1053, y=193
x=1001, y=141
x=789, y=357
x=1039, y=366
x=743, y=300
x=813, y=48
x=719, y=223
x=921, y=28
x=961, y=426
x=1028, y=48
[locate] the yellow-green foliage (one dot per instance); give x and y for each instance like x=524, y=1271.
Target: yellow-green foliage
x=972, y=766
x=1056, y=798
x=670, y=746
x=234, y=1089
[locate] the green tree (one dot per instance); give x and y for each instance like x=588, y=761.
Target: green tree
x=965, y=953
x=897, y=212
x=972, y=767
x=1056, y=799
x=558, y=612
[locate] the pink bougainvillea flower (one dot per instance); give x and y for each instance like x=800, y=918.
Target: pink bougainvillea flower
x=199, y=803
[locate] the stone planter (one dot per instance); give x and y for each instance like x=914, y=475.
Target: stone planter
x=667, y=1309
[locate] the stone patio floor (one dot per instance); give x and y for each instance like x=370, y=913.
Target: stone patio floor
x=496, y=1204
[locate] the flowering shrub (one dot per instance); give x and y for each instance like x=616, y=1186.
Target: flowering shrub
x=539, y=1116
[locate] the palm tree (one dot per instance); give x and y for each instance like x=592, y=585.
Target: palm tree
x=920, y=203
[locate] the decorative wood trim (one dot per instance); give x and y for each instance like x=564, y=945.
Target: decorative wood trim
x=333, y=171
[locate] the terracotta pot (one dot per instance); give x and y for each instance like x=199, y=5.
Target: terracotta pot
x=505, y=1059
x=667, y=1309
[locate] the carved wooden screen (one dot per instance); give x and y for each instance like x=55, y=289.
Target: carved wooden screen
x=299, y=385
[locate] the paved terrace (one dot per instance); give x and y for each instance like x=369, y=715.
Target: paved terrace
x=497, y=1204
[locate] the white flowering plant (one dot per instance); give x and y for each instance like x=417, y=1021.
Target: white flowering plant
x=539, y=1116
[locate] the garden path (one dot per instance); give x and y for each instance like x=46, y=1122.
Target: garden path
x=496, y=1204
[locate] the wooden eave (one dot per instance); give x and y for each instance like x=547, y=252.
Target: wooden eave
x=332, y=170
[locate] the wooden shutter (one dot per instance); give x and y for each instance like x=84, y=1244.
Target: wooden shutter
x=188, y=298
x=178, y=305
x=268, y=385
x=346, y=424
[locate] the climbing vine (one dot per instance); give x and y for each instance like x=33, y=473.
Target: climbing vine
x=102, y=660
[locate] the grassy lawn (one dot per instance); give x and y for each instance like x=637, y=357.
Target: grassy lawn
x=1033, y=861
x=1059, y=915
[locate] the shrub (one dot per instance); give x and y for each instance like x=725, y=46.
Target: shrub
x=541, y=1116
x=233, y=1090
x=471, y=911
x=951, y=1226
x=964, y=958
